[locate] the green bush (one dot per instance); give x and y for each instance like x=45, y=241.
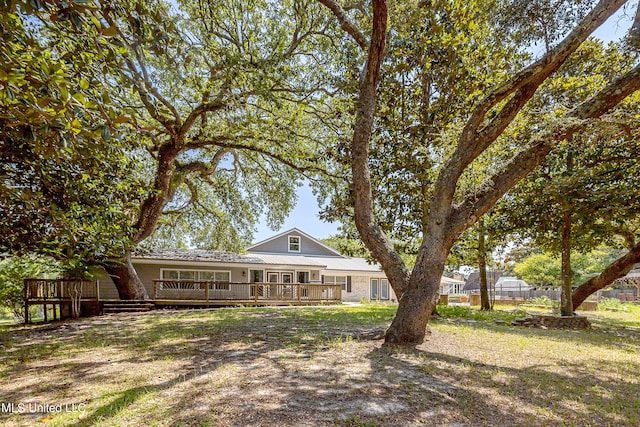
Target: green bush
x=13, y=271
x=544, y=301
x=612, y=304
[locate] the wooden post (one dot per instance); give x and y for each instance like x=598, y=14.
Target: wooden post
x=206, y=291
x=299, y=291
x=155, y=289
x=256, y=291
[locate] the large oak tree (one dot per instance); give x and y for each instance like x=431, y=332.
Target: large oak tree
x=449, y=209
x=211, y=97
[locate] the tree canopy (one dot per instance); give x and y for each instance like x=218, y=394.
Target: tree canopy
x=211, y=99
x=487, y=131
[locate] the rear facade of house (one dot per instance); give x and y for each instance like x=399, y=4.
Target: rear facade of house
x=287, y=259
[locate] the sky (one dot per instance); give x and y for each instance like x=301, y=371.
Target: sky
x=305, y=215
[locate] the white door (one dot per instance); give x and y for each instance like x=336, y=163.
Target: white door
x=379, y=289
x=272, y=277
x=374, y=289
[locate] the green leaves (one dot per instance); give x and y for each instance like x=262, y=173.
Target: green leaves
x=13, y=271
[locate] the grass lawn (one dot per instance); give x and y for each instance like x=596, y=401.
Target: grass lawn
x=319, y=366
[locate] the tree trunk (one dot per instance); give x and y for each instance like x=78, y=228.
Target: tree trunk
x=617, y=269
x=566, y=307
x=409, y=326
x=126, y=279
x=485, y=304
x=123, y=274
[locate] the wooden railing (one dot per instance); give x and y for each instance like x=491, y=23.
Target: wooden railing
x=59, y=289
x=247, y=292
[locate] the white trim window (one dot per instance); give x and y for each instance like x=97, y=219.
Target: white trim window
x=294, y=243
x=302, y=276
x=256, y=276
x=379, y=289
x=336, y=280
x=199, y=276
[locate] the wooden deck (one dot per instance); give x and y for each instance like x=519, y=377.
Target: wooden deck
x=181, y=292
x=75, y=297
x=67, y=295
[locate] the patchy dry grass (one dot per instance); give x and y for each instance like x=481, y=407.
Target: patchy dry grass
x=320, y=366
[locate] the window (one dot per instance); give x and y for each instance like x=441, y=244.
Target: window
x=303, y=276
x=294, y=243
x=199, y=276
x=379, y=289
x=338, y=280
x=256, y=276
x=217, y=276
x=384, y=289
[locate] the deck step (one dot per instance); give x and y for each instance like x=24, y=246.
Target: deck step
x=113, y=304
x=127, y=306
x=125, y=310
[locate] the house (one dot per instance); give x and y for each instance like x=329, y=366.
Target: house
x=289, y=267
x=358, y=278
x=451, y=285
x=472, y=284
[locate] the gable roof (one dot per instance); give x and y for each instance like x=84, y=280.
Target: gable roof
x=473, y=281
x=349, y=264
x=256, y=246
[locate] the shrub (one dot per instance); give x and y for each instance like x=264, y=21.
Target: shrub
x=13, y=271
x=612, y=304
x=544, y=301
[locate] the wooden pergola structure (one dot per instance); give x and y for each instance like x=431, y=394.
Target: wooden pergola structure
x=630, y=281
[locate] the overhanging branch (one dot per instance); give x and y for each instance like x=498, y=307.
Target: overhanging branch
x=346, y=24
x=475, y=205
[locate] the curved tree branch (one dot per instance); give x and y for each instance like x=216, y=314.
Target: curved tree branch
x=372, y=234
x=477, y=136
x=475, y=205
x=617, y=269
x=346, y=24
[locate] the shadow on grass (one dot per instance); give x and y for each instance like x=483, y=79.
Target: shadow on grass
x=399, y=387
x=196, y=343
x=547, y=394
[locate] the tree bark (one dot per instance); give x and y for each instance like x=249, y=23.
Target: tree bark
x=151, y=209
x=617, y=269
x=409, y=326
x=566, y=308
x=370, y=231
x=446, y=218
x=123, y=273
x=485, y=304
x=126, y=279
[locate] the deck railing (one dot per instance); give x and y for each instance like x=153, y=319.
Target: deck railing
x=246, y=292
x=59, y=289
x=60, y=293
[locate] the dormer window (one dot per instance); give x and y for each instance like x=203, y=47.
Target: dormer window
x=294, y=243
